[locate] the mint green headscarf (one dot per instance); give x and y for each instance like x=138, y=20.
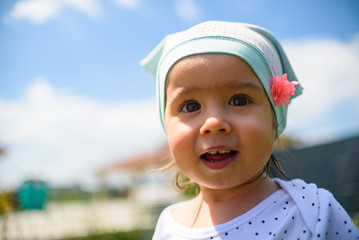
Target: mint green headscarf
x=255, y=45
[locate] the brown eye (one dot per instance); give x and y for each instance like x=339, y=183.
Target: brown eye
x=239, y=101
x=190, y=107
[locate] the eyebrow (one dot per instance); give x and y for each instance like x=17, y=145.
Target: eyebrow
x=247, y=84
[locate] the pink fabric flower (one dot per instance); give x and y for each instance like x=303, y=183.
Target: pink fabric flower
x=282, y=89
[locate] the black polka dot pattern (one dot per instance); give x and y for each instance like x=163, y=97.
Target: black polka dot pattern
x=280, y=216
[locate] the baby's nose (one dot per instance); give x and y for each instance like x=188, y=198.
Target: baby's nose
x=215, y=125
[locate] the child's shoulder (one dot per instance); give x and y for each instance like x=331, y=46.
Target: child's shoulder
x=298, y=186
x=307, y=197
x=305, y=193
x=318, y=207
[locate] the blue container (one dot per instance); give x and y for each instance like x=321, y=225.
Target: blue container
x=33, y=194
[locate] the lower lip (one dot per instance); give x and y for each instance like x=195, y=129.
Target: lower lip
x=217, y=165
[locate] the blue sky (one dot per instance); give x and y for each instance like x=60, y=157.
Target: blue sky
x=97, y=54
x=73, y=96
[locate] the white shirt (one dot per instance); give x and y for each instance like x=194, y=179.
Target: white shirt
x=297, y=211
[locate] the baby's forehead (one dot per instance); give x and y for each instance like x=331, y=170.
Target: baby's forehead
x=212, y=72
x=222, y=66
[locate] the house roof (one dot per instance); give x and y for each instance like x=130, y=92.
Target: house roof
x=139, y=162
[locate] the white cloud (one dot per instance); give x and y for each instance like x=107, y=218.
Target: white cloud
x=328, y=70
x=37, y=11
x=90, y=7
x=40, y=11
x=130, y=4
x=64, y=137
x=187, y=10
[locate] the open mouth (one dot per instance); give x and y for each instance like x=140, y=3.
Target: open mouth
x=220, y=155
x=217, y=160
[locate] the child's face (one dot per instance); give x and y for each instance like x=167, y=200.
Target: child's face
x=218, y=119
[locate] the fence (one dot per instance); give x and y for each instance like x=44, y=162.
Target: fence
x=333, y=166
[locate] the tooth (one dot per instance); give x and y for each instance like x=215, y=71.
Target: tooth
x=212, y=152
x=224, y=151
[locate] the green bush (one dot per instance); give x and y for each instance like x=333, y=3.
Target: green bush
x=356, y=221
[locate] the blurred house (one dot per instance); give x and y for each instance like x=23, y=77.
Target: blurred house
x=147, y=187
x=140, y=162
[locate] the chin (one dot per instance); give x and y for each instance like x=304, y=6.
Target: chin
x=220, y=184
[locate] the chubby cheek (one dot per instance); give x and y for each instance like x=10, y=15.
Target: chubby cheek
x=180, y=141
x=260, y=130
x=259, y=137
